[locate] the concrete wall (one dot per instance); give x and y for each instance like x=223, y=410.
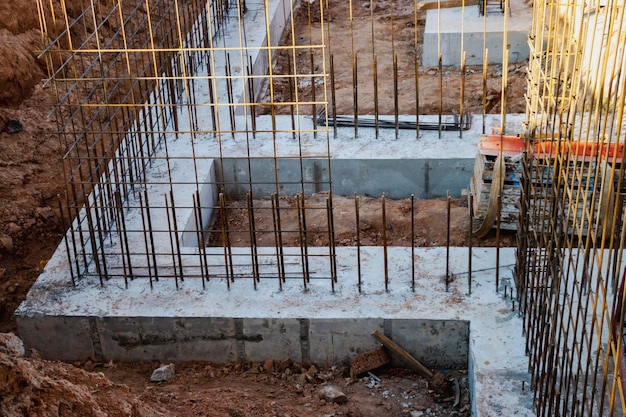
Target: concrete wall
x=473, y=46
x=445, y=28
x=437, y=344
x=397, y=178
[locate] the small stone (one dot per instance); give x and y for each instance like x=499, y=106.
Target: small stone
x=416, y=413
x=45, y=214
x=6, y=243
x=332, y=394
x=11, y=344
x=163, y=373
x=283, y=365
x=89, y=365
x=302, y=379
x=268, y=365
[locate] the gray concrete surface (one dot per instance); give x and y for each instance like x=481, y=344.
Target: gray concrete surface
x=443, y=329
x=439, y=344
x=396, y=178
x=451, y=31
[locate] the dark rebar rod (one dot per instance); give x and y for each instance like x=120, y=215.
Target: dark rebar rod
x=385, y=256
x=448, y=242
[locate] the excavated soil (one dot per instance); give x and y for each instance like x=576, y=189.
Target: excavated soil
x=372, y=24
x=423, y=222
x=33, y=387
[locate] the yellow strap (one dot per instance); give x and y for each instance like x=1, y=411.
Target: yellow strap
x=497, y=183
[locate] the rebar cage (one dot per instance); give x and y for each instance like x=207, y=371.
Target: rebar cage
x=172, y=111
x=570, y=271
x=127, y=77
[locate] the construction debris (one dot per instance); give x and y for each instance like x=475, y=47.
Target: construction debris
x=406, y=357
x=369, y=360
x=332, y=394
x=163, y=373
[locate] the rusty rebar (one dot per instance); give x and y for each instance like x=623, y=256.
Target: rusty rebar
x=384, y=235
x=375, y=76
x=448, y=240
x=254, y=256
x=470, y=212
x=413, y=242
x=396, y=104
x=498, y=226
x=277, y=243
x=228, y=264
x=358, y=239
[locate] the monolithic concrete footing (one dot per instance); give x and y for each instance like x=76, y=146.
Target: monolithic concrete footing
x=480, y=331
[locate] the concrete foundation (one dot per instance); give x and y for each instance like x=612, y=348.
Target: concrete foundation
x=443, y=329
x=453, y=30
x=189, y=319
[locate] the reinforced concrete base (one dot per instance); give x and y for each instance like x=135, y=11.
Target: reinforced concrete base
x=453, y=30
x=443, y=329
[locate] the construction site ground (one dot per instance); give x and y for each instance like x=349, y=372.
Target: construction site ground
x=31, y=226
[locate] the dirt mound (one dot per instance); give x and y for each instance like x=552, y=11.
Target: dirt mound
x=37, y=388
x=20, y=43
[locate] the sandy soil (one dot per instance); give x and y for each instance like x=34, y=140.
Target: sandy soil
x=375, y=20
x=428, y=228
x=31, y=179
x=36, y=388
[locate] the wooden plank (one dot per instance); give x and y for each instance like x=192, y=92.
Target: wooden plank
x=406, y=357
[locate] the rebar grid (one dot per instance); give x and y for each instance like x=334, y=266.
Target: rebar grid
x=570, y=269
x=160, y=119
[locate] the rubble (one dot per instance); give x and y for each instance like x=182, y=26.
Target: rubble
x=163, y=373
x=332, y=394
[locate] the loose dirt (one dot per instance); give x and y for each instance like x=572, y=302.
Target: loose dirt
x=36, y=388
x=31, y=181
x=382, y=32
x=423, y=222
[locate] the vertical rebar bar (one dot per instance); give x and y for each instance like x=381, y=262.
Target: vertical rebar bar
x=376, y=110
x=358, y=239
x=228, y=264
x=355, y=93
x=396, y=104
x=462, y=94
x=384, y=235
x=484, y=98
x=304, y=258
x=470, y=212
x=331, y=242
x=66, y=240
x=333, y=95
x=196, y=213
x=448, y=240
x=171, y=240
x=440, y=92
x=413, y=242
x=417, y=99
x=253, y=246
x=277, y=243
x=498, y=226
